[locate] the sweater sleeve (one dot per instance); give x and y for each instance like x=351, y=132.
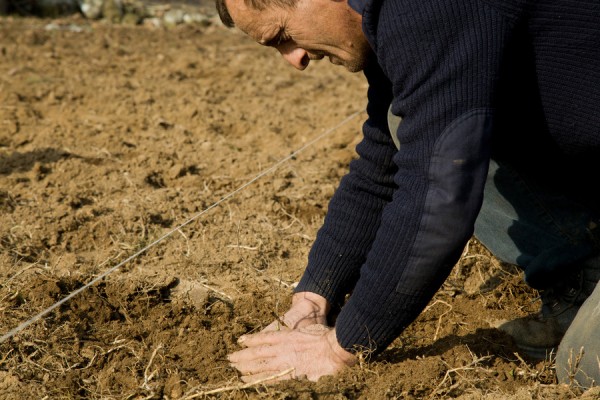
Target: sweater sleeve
x=444, y=60
x=354, y=213
x=395, y=230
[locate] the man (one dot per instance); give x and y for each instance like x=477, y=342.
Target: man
x=501, y=97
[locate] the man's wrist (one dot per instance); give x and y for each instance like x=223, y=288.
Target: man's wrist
x=343, y=355
x=307, y=309
x=313, y=300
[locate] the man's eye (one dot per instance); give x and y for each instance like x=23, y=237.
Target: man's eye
x=282, y=38
x=277, y=40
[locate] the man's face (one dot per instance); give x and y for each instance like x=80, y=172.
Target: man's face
x=310, y=31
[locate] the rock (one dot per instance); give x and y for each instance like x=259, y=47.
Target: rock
x=481, y=280
x=91, y=8
x=158, y=10
x=112, y=10
x=153, y=22
x=191, y=292
x=131, y=12
x=174, y=17
x=196, y=18
x=131, y=19
x=134, y=13
x=176, y=171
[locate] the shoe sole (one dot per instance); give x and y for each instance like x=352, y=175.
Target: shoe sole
x=537, y=352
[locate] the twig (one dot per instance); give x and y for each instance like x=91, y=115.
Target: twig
x=241, y=386
x=222, y=294
x=34, y=265
x=240, y=246
x=467, y=367
x=280, y=322
x=573, y=364
x=5, y=357
x=146, y=377
x=187, y=242
x=282, y=282
x=439, y=324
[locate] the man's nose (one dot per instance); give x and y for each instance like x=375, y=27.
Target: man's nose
x=296, y=56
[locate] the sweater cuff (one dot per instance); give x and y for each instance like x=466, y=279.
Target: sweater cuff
x=332, y=272
x=322, y=281
x=363, y=327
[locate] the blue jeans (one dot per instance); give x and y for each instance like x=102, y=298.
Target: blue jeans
x=578, y=355
x=540, y=228
x=534, y=225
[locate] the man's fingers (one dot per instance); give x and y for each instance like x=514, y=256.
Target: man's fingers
x=274, y=327
x=312, y=352
x=278, y=337
x=262, y=338
x=269, y=376
x=260, y=366
x=252, y=354
x=315, y=328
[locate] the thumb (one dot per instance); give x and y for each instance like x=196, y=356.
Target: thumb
x=315, y=328
x=276, y=325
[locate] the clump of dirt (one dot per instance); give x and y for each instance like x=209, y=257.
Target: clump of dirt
x=132, y=140
x=121, y=338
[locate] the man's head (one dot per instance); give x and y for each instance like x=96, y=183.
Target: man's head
x=301, y=30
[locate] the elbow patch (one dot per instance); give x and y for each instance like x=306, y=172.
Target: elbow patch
x=457, y=176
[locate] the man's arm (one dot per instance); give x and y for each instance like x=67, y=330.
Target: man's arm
x=354, y=213
x=444, y=60
x=301, y=338
x=394, y=230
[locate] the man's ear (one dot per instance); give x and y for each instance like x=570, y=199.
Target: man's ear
x=224, y=13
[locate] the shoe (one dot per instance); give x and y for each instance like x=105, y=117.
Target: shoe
x=539, y=335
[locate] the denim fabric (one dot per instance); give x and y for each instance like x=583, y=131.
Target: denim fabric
x=578, y=355
x=534, y=225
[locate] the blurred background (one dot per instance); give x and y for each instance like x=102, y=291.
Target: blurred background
x=153, y=12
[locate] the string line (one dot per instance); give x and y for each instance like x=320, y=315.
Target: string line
x=109, y=271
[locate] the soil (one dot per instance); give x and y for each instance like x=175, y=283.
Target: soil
x=112, y=137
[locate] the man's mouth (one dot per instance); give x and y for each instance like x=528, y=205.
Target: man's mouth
x=335, y=60
x=316, y=56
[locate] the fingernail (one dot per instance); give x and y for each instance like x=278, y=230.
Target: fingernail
x=242, y=339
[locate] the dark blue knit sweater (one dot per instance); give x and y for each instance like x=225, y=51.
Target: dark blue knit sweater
x=472, y=79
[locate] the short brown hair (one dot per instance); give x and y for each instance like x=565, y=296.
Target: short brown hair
x=224, y=13
x=256, y=4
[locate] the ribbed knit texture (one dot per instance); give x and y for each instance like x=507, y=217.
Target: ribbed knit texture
x=535, y=64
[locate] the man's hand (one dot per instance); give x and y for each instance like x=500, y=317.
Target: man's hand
x=312, y=351
x=307, y=309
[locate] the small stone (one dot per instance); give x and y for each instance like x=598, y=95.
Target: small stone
x=196, y=18
x=112, y=10
x=191, y=292
x=92, y=9
x=131, y=19
x=173, y=17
